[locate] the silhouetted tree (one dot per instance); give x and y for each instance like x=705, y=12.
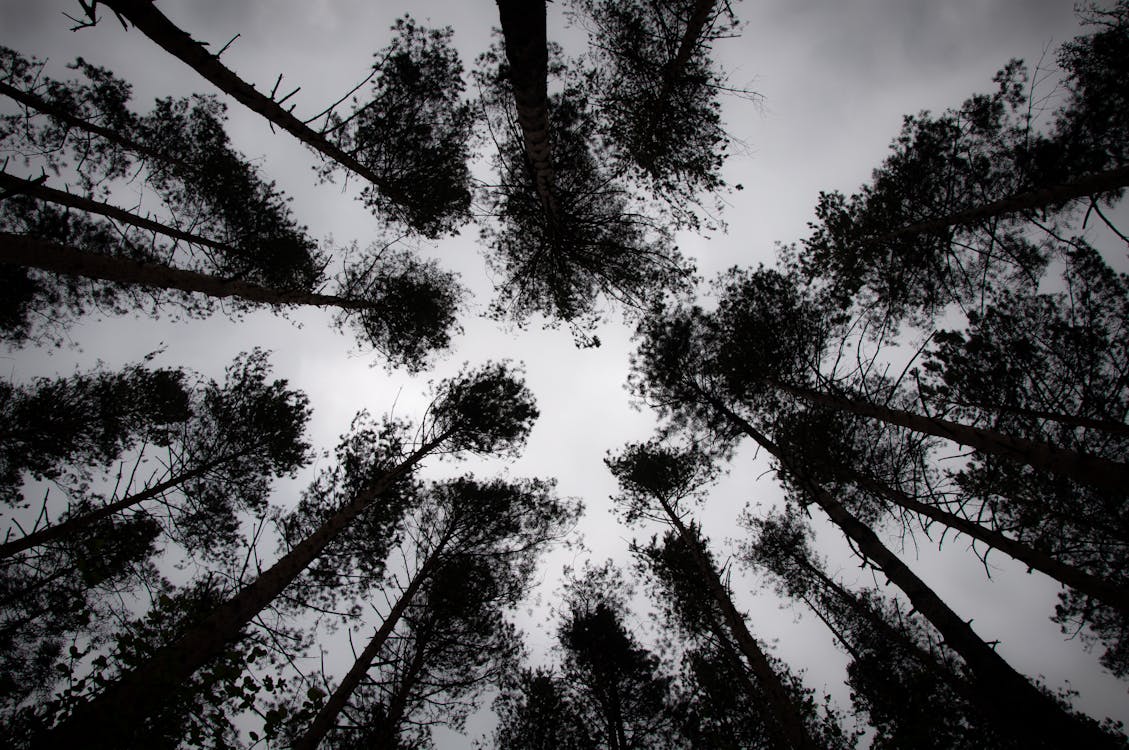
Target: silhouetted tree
x=430, y=135
x=222, y=458
x=482, y=411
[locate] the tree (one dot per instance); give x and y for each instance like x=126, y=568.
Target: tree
x=535, y=712
x=657, y=92
x=613, y=681
x=655, y=481
x=949, y=210
x=567, y=234
x=59, y=426
x=427, y=130
x=483, y=411
x=221, y=458
x=913, y=692
x=673, y=369
x=495, y=528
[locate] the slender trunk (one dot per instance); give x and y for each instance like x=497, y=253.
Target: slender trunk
x=327, y=716
x=22, y=250
x=1104, y=425
x=398, y=703
x=86, y=520
x=1068, y=575
x=523, y=28
x=835, y=631
x=695, y=26
x=1112, y=476
x=791, y=728
x=1079, y=187
x=144, y=15
x=39, y=104
x=116, y=713
x=1005, y=694
x=89, y=205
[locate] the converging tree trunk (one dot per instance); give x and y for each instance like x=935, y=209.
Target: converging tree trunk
x=695, y=26
x=1067, y=575
x=327, y=716
x=121, y=707
x=1003, y=693
x=523, y=28
x=1080, y=187
x=143, y=14
x=86, y=520
x=22, y=250
x=791, y=725
x=36, y=189
x=1098, y=472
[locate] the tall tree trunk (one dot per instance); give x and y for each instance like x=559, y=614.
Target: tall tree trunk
x=1071, y=420
x=37, y=190
x=32, y=101
x=86, y=520
x=672, y=71
x=22, y=250
x=1098, y=472
x=1079, y=187
x=523, y=28
x=327, y=716
x=398, y=701
x=791, y=724
x=1007, y=696
x=144, y=15
x=1068, y=575
x=118, y=711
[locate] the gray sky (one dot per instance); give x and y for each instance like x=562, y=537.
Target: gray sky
x=835, y=77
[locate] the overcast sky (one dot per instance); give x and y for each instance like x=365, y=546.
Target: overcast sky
x=835, y=79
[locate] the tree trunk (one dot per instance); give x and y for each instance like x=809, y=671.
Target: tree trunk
x=327, y=716
x=22, y=250
x=398, y=702
x=1067, y=575
x=1112, y=476
x=523, y=27
x=144, y=15
x=1003, y=693
x=119, y=710
x=31, y=101
x=1071, y=420
x=89, y=205
x=76, y=524
x=695, y=26
x=791, y=728
x=1080, y=187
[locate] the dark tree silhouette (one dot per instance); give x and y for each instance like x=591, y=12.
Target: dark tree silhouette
x=482, y=411
x=221, y=458
x=58, y=426
x=676, y=368
x=948, y=210
x=656, y=481
x=427, y=130
x=535, y=712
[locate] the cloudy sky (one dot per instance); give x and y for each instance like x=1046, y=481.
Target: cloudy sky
x=834, y=79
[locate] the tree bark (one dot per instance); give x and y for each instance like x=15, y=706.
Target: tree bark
x=77, y=523
x=1079, y=187
x=51, y=195
x=21, y=250
x=791, y=724
x=1112, y=476
x=1003, y=693
x=144, y=15
x=1067, y=575
x=327, y=716
x=523, y=28
x=118, y=711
